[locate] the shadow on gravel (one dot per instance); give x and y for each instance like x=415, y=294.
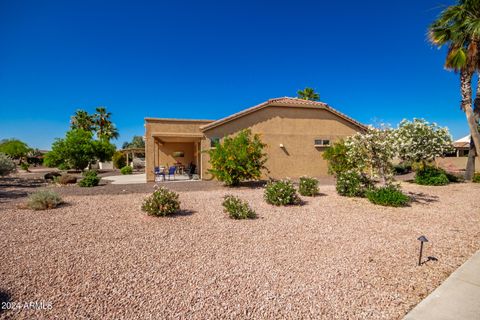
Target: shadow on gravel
x=20, y=188
x=422, y=198
x=182, y=213
x=12, y=195
x=252, y=184
x=4, y=298
x=11, y=182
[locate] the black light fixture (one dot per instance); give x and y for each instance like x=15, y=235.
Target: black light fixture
x=422, y=239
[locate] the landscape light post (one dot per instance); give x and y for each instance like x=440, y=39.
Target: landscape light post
x=422, y=239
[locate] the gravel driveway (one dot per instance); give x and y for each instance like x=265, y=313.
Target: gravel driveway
x=100, y=257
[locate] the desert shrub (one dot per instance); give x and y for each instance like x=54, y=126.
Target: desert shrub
x=236, y=208
x=308, y=186
x=476, y=177
x=7, y=165
x=44, y=199
x=281, y=193
x=24, y=166
x=403, y=167
x=431, y=176
x=90, y=179
x=238, y=158
x=126, y=170
x=337, y=158
x=65, y=179
x=352, y=184
x=161, y=203
x=390, y=196
x=119, y=160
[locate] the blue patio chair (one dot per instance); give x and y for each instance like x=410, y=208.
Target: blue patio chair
x=158, y=173
x=171, y=172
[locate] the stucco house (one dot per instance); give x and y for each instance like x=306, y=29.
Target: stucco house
x=296, y=133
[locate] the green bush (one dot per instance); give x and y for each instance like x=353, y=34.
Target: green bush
x=44, y=199
x=336, y=155
x=7, y=165
x=238, y=158
x=161, y=203
x=403, y=168
x=90, y=179
x=65, y=179
x=308, y=186
x=64, y=166
x=281, y=193
x=24, y=166
x=352, y=184
x=390, y=196
x=431, y=176
x=476, y=177
x=126, y=170
x=236, y=208
x=119, y=160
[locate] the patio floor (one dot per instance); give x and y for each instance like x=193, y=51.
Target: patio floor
x=141, y=178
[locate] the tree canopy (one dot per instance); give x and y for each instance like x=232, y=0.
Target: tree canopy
x=14, y=148
x=137, y=142
x=308, y=94
x=99, y=123
x=78, y=150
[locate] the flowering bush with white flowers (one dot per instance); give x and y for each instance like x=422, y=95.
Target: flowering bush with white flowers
x=372, y=153
x=281, y=193
x=421, y=141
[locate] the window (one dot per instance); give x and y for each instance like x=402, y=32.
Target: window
x=214, y=141
x=322, y=143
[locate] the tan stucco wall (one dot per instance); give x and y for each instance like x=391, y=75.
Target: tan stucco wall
x=153, y=148
x=296, y=129
x=165, y=153
x=459, y=163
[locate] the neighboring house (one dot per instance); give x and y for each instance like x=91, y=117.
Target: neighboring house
x=462, y=146
x=296, y=133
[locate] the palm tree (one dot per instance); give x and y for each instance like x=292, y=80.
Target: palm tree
x=82, y=120
x=103, y=125
x=308, y=94
x=458, y=27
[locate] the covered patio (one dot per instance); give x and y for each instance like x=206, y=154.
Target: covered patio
x=179, y=150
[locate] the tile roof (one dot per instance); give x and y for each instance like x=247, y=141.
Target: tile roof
x=283, y=101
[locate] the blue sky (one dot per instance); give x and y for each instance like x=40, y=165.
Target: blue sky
x=208, y=59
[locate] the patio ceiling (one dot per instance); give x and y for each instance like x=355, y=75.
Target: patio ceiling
x=163, y=137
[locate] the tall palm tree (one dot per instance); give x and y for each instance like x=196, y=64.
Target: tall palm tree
x=82, y=120
x=103, y=125
x=458, y=27
x=308, y=94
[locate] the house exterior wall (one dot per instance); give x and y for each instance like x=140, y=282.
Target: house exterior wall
x=156, y=153
x=295, y=128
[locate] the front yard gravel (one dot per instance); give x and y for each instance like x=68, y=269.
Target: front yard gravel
x=100, y=257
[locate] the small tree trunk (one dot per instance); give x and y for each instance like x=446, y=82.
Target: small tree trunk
x=466, y=90
x=470, y=170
